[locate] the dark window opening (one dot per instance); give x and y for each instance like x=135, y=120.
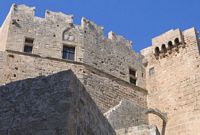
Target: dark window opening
x=170, y=45
x=132, y=76
x=132, y=72
x=28, y=46
x=157, y=51
x=68, y=53
x=133, y=80
x=177, y=42
x=164, y=49
x=28, y=49
x=29, y=41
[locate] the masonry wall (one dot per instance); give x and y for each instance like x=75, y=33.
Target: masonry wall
x=4, y=32
x=112, y=54
x=105, y=89
x=126, y=114
x=108, y=91
x=57, y=104
x=138, y=130
x=1, y=61
x=47, y=32
x=174, y=85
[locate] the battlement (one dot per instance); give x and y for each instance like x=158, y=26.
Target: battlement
x=169, y=43
x=28, y=13
x=23, y=9
x=49, y=15
x=52, y=35
x=169, y=36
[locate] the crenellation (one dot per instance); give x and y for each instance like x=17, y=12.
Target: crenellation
x=89, y=26
x=164, y=75
x=58, y=17
x=172, y=82
x=56, y=33
x=166, y=37
x=23, y=9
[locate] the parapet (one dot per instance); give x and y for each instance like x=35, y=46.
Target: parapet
x=49, y=15
x=23, y=9
x=168, y=36
x=166, y=43
x=112, y=36
x=89, y=25
x=58, y=17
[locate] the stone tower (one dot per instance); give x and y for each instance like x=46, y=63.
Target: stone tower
x=173, y=80
x=163, y=76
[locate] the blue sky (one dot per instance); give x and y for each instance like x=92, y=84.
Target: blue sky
x=136, y=20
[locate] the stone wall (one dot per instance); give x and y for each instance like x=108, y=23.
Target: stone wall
x=173, y=82
x=126, y=114
x=108, y=91
x=112, y=54
x=138, y=130
x=105, y=89
x=2, y=61
x=47, y=32
x=4, y=32
x=53, y=105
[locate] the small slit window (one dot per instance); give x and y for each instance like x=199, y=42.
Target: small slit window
x=164, y=49
x=132, y=76
x=28, y=46
x=151, y=71
x=68, y=52
x=157, y=51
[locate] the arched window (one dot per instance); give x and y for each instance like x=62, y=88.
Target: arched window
x=157, y=51
x=163, y=48
x=176, y=41
x=170, y=45
x=68, y=35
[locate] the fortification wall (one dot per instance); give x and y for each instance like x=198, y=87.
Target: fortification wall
x=1, y=61
x=4, y=32
x=112, y=55
x=50, y=105
x=126, y=114
x=138, y=130
x=108, y=91
x=173, y=82
x=47, y=32
x=105, y=89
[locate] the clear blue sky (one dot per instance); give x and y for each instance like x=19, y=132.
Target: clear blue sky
x=136, y=20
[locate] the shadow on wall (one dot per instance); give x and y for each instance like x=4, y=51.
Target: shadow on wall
x=53, y=105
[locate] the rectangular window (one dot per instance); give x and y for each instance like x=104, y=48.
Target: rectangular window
x=28, y=46
x=132, y=76
x=132, y=72
x=132, y=80
x=68, y=52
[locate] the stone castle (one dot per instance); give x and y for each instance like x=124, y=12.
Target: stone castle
x=153, y=92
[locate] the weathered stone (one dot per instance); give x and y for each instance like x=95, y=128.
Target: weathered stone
x=139, y=130
x=126, y=114
x=174, y=86
x=169, y=69
x=28, y=108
